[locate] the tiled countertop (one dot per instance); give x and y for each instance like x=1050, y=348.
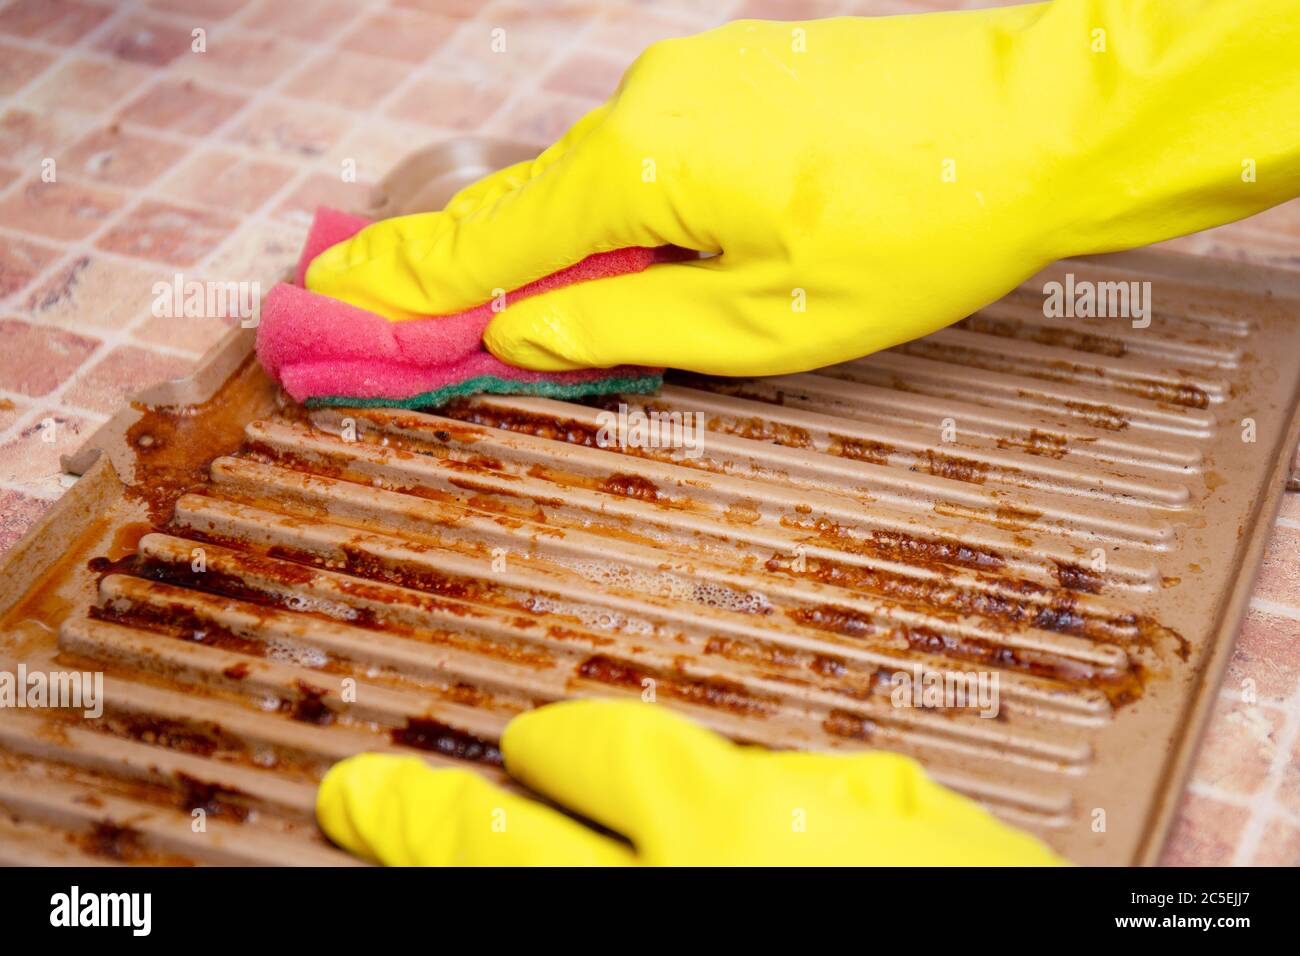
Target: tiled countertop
x=209, y=163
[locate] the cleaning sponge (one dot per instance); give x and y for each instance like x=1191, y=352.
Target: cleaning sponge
x=327, y=352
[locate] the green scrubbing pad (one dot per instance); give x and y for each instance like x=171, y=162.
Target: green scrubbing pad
x=638, y=385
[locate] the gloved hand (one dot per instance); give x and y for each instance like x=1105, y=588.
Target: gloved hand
x=680, y=793
x=862, y=181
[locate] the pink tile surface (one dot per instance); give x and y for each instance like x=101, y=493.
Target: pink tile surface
x=404, y=35
x=31, y=455
x=1207, y=832
x=351, y=80
x=58, y=210
x=51, y=21
x=290, y=129
x=183, y=106
x=18, y=65
x=165, y=232
x=85, y=85
x=449, y=101
x=27, y=138
x=21, y=260
x=226, y=179
x=36, y=360
x=207, y=163
x=245, y=58
x=94, y=293
x=104, y=386
x=111, y=155
x=145, y=39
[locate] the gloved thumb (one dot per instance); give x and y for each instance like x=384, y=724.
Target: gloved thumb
x=579, y=197
x=400, y=812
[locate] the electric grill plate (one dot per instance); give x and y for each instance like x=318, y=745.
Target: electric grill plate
x=1073, y=506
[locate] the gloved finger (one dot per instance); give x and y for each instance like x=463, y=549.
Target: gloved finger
x=490, y=188
x=400, y=812
x=380, y=251
x=636, y=768
x=931, y=825
x=583, y=196
x=702, y=315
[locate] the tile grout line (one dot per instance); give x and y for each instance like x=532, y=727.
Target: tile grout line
x=1275, y=608
x=1252, y=835
x=111, y=339
x=77, y=249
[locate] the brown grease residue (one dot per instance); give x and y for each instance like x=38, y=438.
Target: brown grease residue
x=239, y=671
x=1105, y=417
x=113, y=841
x=1037, y=442
x=200, y=739
x=126, y=539
x=1120, y=687
x=212, y=798
x=541, y=426
x=425, y=733
x=761, y=429
x=180, y=620
x=1015, y=601
x=1006, y=517
x=630, y=486
x=1075, y=577
x=743, y=511
x=244, y=566
x=749, y=389
x=1183, y=394
x=954, y=467
x=709, y=692
x=861, y=449
x=309, y=706
x=1061, y=338
x=844, y=723
x=174, y=446
x=897, y=545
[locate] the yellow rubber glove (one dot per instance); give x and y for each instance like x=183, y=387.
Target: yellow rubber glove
x=885, y=176
x=683, y=796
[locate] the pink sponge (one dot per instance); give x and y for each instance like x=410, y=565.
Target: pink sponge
x=324, y=351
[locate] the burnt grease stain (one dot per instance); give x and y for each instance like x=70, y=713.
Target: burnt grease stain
x=238, y=671
x=631, y=486
x=425, y=590
x=1019, y=602
x=425, y=733
x=113, y=841
x=174, y=445
x=861, y=449
x=764, y=430
x=718, y=694
x=1075, y=577
x=898, y=546
x=526, y=423
x=212, y=798
x=200, y=740
x=1063, y=338
x=309, y=706
x=1119, y=687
